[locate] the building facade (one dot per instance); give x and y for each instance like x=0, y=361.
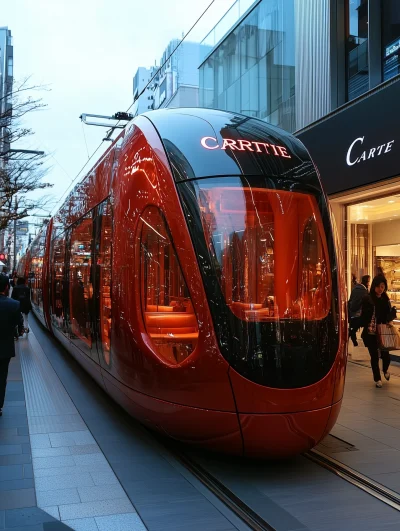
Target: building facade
x=140, y=80
x=176, y=83
x=6, y=79
x=267, y=65
x=291, y=62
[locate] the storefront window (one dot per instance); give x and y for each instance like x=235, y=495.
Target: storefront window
x=390, y=38
x=357, y=48
x=374, y=242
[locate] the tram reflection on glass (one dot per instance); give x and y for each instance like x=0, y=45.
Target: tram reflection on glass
x=194, y=273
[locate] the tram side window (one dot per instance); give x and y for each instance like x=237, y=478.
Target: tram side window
x=104, y=264
x=58, y=282
x=80, y=286
x=42, y=242
x=37, y=270
x=33, y=273
x=168, y=312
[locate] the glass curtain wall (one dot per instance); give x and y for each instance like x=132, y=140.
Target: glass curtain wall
x=253, y=69
x=357, y=48
x=390, y=38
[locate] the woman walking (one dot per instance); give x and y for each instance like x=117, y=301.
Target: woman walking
x=22, y=293
x=376, y=309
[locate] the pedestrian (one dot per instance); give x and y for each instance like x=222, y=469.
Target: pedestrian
x=355, y=302
x=13, y=279
x=22, y=293
x=376, y=309
x=10, y=319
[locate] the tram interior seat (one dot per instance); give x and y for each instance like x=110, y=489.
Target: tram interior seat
x=175, y=333
x=171, y=323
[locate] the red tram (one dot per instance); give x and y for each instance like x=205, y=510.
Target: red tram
x=194, y=274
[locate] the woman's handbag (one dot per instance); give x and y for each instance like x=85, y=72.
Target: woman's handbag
x=388, y=337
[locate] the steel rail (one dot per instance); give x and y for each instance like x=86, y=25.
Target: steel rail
x=375, y=489
x=225, y=495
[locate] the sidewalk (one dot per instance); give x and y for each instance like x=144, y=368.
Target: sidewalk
x=18, y=508
x=370, y=420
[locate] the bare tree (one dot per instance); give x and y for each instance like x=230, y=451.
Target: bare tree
x=20, y=173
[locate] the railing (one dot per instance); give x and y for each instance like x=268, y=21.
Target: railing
x=223, y=26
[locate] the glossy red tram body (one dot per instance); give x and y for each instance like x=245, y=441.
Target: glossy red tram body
x=194, y=274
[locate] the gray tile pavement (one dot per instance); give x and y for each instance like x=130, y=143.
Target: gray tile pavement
x=64, y=453
x=370, y=420
x=18, y=508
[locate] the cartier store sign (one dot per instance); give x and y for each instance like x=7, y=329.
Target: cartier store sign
x=359, y=145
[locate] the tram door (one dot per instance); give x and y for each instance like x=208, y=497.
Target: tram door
x=102, y=281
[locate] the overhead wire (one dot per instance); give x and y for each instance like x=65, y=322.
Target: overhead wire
x=135, y=99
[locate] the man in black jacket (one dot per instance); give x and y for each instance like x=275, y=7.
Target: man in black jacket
x=10, y=318
x=357, y=294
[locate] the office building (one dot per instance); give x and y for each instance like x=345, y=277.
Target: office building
x=6, y=78
x=176, y=83
x=141, y=79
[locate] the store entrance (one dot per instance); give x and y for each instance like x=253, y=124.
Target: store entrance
x=374, y=242
x=373, y=247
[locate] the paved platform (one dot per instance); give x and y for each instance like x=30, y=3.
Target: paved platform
x=94, y=467
x=18, y=508
x=370, y=420
x=71, y=458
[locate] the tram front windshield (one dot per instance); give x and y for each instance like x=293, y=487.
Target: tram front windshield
x=267, y=268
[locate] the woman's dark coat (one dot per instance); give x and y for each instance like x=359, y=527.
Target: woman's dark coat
x=384, y=313
x=22, y=294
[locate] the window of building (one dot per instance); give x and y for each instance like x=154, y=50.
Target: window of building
x=104, y=275
x=168, y=312
x=10, y=67
x=80, y=282
x=390, y=38
x=357, y=48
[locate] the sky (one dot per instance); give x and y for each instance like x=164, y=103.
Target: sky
x=86, y=53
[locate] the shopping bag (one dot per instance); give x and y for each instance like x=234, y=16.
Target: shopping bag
x=389, y=337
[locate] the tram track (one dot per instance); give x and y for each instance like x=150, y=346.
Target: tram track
x=253, y=520
x=368, y=485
